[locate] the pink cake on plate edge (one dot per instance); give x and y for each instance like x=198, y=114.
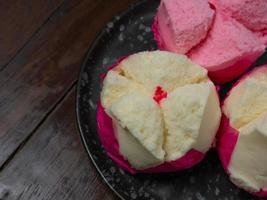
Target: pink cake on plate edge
x=227, y=136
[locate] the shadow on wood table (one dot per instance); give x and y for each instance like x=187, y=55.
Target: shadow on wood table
x=43, y=43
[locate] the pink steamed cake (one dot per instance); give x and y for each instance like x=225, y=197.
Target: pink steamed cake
x=228, y=51
x=227, y=137
x=251, y=13
x=183, y=24
x=110, y=144
x=225, y=47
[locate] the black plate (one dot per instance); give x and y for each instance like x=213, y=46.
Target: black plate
x=126, y=34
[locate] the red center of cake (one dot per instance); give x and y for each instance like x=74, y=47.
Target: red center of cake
x=159, y=94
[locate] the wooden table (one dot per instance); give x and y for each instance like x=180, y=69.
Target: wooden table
x=42, y=45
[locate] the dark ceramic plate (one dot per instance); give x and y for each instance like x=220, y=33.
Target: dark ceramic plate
x=128, y=33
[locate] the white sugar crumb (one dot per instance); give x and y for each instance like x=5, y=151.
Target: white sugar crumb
x=141, y=189
x=110, y=25
x=147, y=29
x=209, y=188
x=217, y=191
x=92, y=105
x=146, y=194
x=142, y=26
x=121, y=171
x=199, y=196
x=118, y=180
x=145, y=42
x=121, y=37
x=112, y=170
x=117, y=17
x=122, y=27
x=105, y=61
x=133, y=195
x=140, y=37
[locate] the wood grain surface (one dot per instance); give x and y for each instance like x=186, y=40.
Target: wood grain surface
x=19, y=20
x=39, y=76
x=53, y=164
x=42, y=45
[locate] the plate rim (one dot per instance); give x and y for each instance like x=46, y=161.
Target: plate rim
x=77, y=111
x=77, y=93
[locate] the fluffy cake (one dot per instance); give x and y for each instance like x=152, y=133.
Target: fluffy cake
x=225, y=37
x=251, y=13
x=159, y=112
x=228, y=50
x=243, y=138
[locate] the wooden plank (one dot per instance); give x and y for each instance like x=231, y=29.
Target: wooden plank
x=20, y=19
x=47, y=67
x=53, y=163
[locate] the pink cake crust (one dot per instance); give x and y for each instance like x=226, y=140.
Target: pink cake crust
x=234, y=70
x=251, y=13
x=157, y=37
x=227, y=139
x=228, y=51
x=227, y=136
x=183, y=24
x=262, y=36
x=262, y=193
